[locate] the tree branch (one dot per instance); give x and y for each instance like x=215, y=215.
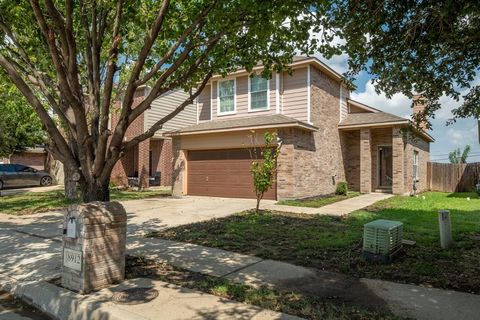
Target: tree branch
x=158, y=125
x=49, y=124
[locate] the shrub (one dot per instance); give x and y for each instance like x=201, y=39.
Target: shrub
x=342, y=188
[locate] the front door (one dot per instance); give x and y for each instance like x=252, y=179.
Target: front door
x=385, y=167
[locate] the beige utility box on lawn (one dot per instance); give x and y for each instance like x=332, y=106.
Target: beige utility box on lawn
x=94, y=239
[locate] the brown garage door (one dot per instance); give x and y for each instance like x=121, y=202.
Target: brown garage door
x=222, y=173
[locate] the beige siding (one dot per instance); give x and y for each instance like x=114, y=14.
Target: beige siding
x=166, y=104
x=295, y=94
x=203, y=105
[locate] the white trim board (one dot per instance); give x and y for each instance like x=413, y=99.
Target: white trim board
x=309, y=98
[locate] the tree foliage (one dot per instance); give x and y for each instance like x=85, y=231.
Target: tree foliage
x=458, y=156
x=72, y=60
x=425, y=46
x=264, y=164
x=20, y=127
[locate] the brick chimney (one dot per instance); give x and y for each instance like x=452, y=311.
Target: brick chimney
x=418, y=107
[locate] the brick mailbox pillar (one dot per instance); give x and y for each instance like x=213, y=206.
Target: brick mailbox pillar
x=94, y=240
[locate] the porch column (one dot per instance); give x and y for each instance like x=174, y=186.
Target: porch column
x=143, y=164
x=365, y=161
x=398, y=184
x=179, y=169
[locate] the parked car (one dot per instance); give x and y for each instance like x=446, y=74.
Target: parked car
x=17, y=175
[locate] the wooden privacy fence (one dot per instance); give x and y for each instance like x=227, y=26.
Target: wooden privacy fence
x=449, y=177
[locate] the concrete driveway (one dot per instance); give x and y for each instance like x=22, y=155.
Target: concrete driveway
x=10, y=192
x=143, y=215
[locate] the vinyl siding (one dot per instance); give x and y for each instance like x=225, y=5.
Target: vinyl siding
x=166, y=104
x=294, y=102
x=293, y=97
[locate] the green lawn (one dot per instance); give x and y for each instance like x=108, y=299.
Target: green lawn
x=334, y=243
x=318, y=202
x=36, y=202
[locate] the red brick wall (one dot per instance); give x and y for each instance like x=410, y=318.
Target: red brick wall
x=133, y=159
x=34, y=160
x=162, y=160
x=137, y=161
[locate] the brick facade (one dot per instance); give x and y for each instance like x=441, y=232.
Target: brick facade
x=414, y=143
x=31, y=159
x=365, y=160
x=162, y=160
x=351, y=149
x=136, y=162
x=398, y=146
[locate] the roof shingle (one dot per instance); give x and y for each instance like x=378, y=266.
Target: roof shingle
x=244, y=122
x=365, y=118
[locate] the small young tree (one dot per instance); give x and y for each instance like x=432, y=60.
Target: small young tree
x=264, y=164
x=457, y=156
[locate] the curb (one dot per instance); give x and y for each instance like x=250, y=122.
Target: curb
x=62, y=304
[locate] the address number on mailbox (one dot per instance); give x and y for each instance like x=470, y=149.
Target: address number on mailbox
x=72, y=259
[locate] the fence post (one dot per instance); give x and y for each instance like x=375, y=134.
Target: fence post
x=445, y=229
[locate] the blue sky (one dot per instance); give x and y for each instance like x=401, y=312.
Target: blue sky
x=447, y=138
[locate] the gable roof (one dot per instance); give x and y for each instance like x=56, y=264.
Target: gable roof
x=362, y=106
x=296, y=61
x=370, y=118
x=378, y=118
x=244, y=123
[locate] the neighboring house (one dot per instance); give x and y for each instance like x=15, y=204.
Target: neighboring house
x=31, y=157
x=326, y=138
x=150, y=163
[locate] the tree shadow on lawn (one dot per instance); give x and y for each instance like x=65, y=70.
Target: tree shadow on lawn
x=335, y=244
x=464, y=195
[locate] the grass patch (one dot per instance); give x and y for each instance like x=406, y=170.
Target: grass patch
x=334, y=243
x=36, y=202
x=308, y=307
x=317, y=202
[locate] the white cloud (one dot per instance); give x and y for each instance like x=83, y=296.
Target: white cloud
x=399, y=104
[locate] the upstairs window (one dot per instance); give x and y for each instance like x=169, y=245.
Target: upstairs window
x=258, y=94
x=415, y=165
x=226, y=97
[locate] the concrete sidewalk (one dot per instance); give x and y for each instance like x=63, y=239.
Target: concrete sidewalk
x=29, y=262
x=404, y=300
x=339, y=208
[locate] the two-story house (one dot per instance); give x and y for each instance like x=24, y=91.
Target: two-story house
x=326, y=138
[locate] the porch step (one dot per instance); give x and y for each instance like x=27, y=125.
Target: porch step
x=383, y=190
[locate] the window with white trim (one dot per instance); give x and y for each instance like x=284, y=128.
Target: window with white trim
x=258, y=93
x=415, y=165
x=226, y=97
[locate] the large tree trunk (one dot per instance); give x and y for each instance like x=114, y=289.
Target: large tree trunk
x=70, y=185
x=96, y=191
